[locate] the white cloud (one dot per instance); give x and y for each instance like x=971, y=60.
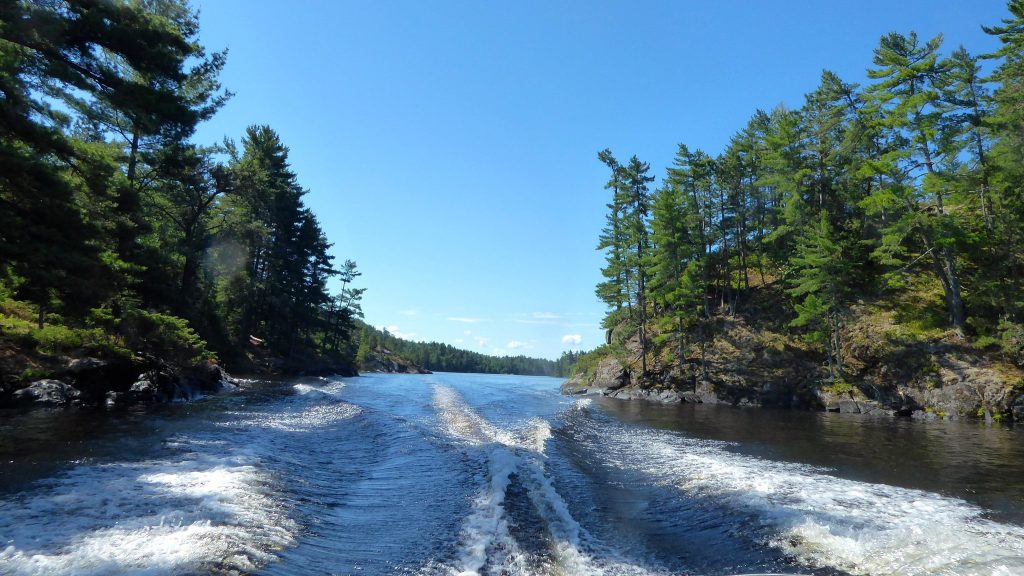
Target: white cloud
x=572, y=339
x=396, y=331
x=481, y=341
x=467, y=332
x=513, y=344
x=463, y=319
x=408, y=312
x=458, y=340
x=546, y=315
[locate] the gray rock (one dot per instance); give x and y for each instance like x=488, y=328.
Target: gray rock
x=1017, y=409
x=144, y=390
x=669, y=397
x=80, y=365
x=143, y=386
x=115, y=399
x=47, y=392
x=849, y=407
x=922, y=415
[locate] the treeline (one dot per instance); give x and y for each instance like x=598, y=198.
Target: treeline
x=864, y=190
x=439, y=357
x=119, y=229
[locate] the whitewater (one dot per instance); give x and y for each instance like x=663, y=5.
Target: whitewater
x=458, y=474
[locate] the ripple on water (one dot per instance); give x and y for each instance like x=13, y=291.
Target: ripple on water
x=818, y=518
x=190, y=511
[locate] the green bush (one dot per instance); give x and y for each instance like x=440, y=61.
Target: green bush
x=18, y=309
x=840, y=387
x=1012, y=341
x=53, y=339
x=168, y=338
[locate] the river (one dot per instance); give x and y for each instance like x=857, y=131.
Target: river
x=479, y=474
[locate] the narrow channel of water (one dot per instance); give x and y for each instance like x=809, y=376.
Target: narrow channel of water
x=476, y=474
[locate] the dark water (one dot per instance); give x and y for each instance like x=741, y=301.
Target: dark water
x=472, y=474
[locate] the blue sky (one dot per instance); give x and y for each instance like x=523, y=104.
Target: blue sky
x=450, y=147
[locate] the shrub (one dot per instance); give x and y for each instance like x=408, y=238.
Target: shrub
x=53, y=339
x=168, y=338
x=18, y=309
x=1012, y=341
x=56, y=339
x=840, y=387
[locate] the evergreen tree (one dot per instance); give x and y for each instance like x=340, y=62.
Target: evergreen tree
x=636, y=202
x=615, y=289
x=820, y=277
x=907, y=98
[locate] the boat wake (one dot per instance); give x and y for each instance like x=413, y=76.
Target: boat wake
x=819, y=519
x=517, y=455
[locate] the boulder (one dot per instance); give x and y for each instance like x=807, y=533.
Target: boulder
x=94, y=377
x=669, y=397
x=1017, y=409
x=143, y=390
x=206, y=376
x=116, y=399
x=849, y=407
x=79, y=365
x=691, y=397
x=47, y=392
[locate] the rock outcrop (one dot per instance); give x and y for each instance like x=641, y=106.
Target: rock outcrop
x=96, y=382
x=47, y=393
x=384, y=360
x=755, y=366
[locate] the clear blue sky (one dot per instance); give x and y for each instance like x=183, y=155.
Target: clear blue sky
x=450, y=147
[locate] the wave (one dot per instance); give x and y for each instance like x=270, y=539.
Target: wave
x=191, y=511
x=822, y=520
x=512, y=455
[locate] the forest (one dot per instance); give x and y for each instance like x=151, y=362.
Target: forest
x=119, y=235
x=901, y=195
x=439, y=357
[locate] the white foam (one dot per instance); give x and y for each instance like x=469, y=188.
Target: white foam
x=857, y=527
x=462, y=422
x=485, y=533
x=151, y=517
x=332, y=388
x=485, y=539
x=308, y=419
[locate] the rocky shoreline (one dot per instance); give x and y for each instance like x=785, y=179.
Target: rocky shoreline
x=118, y=383
x=751, y=366
x=950, y=407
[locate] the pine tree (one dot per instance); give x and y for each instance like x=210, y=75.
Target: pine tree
x=819, y=276
x=636, y=202
x=911, y=77
x=54, y=60
x=615, y=289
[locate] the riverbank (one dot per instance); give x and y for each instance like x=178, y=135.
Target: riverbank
x=30, y=377
x=752, y=360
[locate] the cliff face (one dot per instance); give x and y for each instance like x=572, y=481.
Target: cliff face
x=753, y=363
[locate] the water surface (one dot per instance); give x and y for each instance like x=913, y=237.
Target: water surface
x=477, y=474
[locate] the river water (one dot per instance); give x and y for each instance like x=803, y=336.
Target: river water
x=478, y=474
